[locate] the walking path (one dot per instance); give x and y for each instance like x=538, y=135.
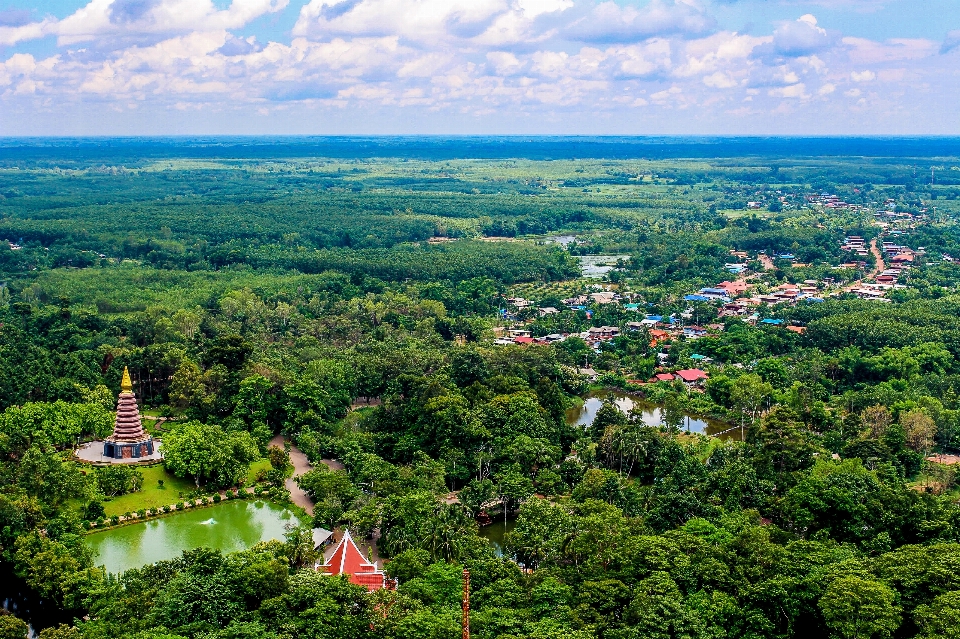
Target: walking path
x=301, y=465
x=298, y=496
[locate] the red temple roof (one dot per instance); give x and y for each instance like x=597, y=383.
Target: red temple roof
x=347, y=559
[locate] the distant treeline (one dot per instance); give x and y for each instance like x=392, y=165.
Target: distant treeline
x=85, y=151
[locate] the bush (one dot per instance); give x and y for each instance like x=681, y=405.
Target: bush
x=179, y=505
x=279, y=458
x=216, y=499
x=118, y=480
x=115, y=520
x=166, y=509
x=142, y=513
x=258, y=490
x=94, y=511
x=100, y=522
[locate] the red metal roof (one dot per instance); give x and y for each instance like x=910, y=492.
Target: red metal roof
x=664, y=377
x=692, y=374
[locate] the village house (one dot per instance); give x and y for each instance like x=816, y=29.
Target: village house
x=733, y=288
x=715, y=293
x=692, y=376
x=603, y=297
x=575, y=302
x=694, y=332
x=658, y=335
x=519, y=302
x=603, y=332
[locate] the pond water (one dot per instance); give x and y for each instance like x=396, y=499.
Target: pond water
x=229, y=527
x=16, y=597
x=599, y=265
x=495, y=532
x=561, y=239
x=651, y=414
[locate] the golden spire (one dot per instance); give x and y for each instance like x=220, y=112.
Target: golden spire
x=126, y=386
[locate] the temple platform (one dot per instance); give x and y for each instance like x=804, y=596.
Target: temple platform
x=93, y=452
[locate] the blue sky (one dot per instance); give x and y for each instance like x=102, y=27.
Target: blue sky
x=148, y=67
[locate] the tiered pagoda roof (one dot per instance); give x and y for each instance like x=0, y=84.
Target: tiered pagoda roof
x=348, y=560
x=128, y=427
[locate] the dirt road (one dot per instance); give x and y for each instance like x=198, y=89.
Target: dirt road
x=879, y=266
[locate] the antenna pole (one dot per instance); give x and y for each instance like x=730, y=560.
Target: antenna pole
x=466, y=604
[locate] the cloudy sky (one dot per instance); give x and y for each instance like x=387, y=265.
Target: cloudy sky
x=95, y=67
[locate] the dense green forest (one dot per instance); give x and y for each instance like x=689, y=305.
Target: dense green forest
x=351, y=304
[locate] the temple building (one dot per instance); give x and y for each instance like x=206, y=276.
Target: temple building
x=129, y=440
x=348, y=560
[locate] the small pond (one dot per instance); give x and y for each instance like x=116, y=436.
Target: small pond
x=650, y=414
x=495, y=532
x=563, y=240
x=597, y=266
x=229, y=527
x=20, y=600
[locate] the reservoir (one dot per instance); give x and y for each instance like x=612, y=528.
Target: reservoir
x=228, y=527
x=651, y=414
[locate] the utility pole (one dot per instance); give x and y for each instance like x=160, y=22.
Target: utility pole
x=466, y=604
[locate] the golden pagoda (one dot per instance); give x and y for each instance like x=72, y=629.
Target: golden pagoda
x=129, y=440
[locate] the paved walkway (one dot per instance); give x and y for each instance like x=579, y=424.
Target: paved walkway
x=301, y=465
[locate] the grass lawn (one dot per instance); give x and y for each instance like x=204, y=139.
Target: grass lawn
x=255, y=468
x=152, y=495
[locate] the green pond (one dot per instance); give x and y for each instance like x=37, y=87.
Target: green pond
x=495, y=532
x=229, y=526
